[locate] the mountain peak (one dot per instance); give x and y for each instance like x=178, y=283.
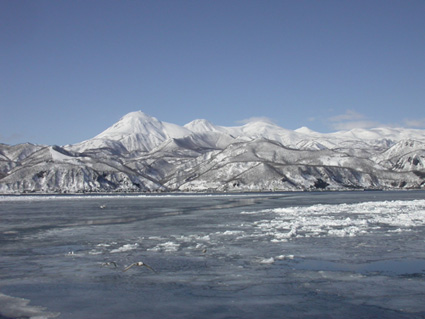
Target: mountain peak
x=139, y=115
x=200, y=126
x=133, y=118
x=134, y=123
x=305, y=130
x=137, y=131
x=258, y=119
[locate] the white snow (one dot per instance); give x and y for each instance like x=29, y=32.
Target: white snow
x=139, y=131
x=136, y=131
x=142, y=153
x=61, y=157
x=201, y=126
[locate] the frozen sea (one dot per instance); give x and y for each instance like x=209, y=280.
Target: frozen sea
x=277, y=255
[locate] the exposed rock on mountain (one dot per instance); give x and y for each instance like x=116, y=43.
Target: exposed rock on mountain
x=142, y=154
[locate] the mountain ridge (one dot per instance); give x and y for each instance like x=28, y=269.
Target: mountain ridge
x=140, y=153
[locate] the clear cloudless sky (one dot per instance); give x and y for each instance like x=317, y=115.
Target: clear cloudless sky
x=70, y=69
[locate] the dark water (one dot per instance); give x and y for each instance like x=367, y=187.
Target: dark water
x=290, y=255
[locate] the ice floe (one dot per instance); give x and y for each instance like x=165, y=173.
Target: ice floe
x=270, y=260
x=126, y=247
x=342, y=220
x=168, y=246
x=13, y=307
x=70, y=196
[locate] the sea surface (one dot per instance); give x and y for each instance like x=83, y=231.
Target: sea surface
x=276, y=255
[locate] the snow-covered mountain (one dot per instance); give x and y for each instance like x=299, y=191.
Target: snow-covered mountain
x=142, y=153
x=135, y=131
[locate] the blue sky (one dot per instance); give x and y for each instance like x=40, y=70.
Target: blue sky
x=70, y=69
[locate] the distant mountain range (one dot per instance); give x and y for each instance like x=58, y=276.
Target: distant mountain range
x=140, y=153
